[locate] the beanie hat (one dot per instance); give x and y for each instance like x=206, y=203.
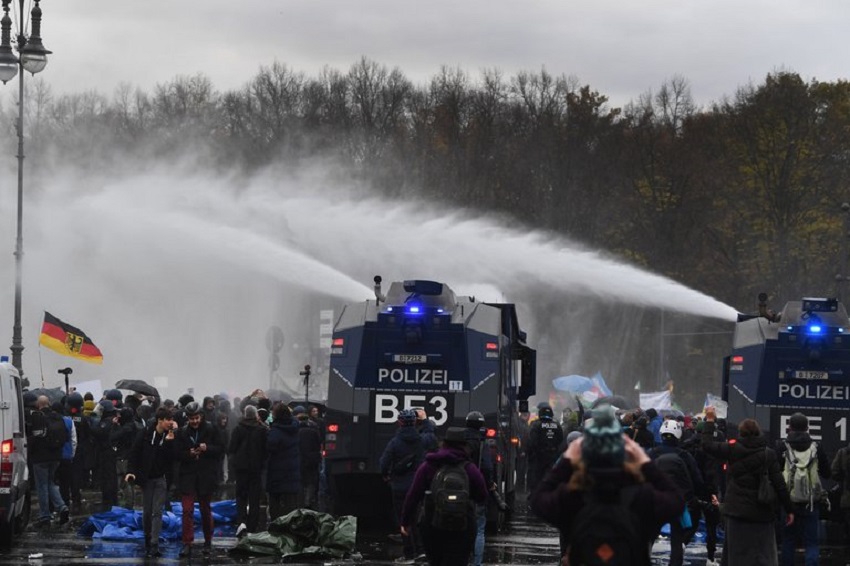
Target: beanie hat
x=603, y=445
x=298, y=410
x=88, y=407
x=407, y=417
x=798, y=422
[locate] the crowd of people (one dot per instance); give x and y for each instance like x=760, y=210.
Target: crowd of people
x=136, y=450
x=684, y=468
x=608, y=480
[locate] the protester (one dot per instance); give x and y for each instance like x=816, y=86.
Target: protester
x=199, y=451
x=841, y=474
x=122, y=436
x=398, y=463
x=681, y=467
x=283, y=467
x=798, y=447
x=750, y=536
x=65, y=472
x=444, y=547
x=148, y=465
x=479, y=454
x=427, y=431
x=247, y=451
x=605, y=466
x=105, y=417
x=310, y=452
x=45, y=453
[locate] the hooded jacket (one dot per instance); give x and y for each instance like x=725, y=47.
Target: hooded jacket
x=283, y=470
x=406, y=441
x=426, y=472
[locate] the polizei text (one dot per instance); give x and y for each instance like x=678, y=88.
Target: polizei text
x=420, y=376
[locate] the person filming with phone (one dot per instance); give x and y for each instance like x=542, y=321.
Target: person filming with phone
x=149, y=463
x=606, y=496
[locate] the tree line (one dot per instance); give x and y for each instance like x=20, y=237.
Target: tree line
x=738, y=197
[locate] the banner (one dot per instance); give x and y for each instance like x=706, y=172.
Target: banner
x=68, y=340
x=657, y=400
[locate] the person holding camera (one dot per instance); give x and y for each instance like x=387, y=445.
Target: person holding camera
x=606, y=496
x=148, y=464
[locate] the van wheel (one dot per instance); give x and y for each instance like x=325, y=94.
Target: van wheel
x=22, y=520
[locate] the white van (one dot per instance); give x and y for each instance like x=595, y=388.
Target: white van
x=14, y=476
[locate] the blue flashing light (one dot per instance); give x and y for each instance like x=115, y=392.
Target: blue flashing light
x=790, y=329
x=815, y=329
x=389, y=309
x=4, y=359
x=440, y=311
x=414, y=309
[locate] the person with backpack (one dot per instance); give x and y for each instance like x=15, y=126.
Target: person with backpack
x=805, y=464
x=401, y=458
x=450, y=486
x=122, y=435
x=750, y=536
x=682, y=469
x=47, y=438
x=544, y=438
x=606, y=497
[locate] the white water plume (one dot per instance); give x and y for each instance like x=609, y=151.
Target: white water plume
x=180, y=275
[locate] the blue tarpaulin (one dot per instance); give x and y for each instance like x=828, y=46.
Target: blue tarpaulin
x=125, y=524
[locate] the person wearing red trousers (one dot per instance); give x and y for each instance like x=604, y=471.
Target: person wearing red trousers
x=199, y=450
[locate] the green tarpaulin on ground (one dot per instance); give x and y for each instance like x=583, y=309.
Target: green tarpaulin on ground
x=303, y=534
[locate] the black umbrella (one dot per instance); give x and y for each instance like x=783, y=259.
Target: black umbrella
x=53, y=394
x=137, y=385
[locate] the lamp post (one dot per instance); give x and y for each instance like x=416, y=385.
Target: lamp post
x=33, y=58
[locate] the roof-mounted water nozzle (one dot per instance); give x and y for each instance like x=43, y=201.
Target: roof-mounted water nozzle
x=379, y=296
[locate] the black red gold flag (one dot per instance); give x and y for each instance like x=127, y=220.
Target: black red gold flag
x=68, y=340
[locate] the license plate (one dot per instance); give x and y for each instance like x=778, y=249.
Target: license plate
x=811, y=375
x=410, y=359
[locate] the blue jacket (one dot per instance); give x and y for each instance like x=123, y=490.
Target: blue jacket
x=406, y=441
x=283, y=467
x=68, y=448
x=654, y=427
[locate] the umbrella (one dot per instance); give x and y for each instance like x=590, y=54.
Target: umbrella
x=53, y=394
x=138, y=386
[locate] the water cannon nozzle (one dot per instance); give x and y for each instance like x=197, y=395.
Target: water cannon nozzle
x=379, y=296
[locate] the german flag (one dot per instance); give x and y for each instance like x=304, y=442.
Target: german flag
x=67, y=340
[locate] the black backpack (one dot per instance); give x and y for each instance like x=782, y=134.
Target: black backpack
x=57, y=434
x=675, y=468
x=451, y=503
x=606, y=532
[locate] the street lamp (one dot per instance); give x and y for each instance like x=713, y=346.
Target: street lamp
x=33, y=58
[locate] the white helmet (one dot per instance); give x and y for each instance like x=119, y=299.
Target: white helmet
x=671, y=426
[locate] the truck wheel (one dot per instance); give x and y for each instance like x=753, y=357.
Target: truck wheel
x=6, y=534
x=22, y=520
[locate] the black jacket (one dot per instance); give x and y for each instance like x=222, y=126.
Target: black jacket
x=199, y=475
x=247, y=447
x=747, y=457
x=152, y=454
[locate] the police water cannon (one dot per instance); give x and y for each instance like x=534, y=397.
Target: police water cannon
x=797, y=360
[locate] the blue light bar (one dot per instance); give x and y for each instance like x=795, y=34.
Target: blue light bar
x=815, y=329
x=414, y=309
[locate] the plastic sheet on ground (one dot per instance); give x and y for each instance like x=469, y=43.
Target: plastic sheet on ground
x=125, y=524
x=303, y=534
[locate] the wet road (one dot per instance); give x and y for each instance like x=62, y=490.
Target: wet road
x=527, y=541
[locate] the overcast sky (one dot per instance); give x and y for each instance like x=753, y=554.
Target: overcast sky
x=621, y=48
